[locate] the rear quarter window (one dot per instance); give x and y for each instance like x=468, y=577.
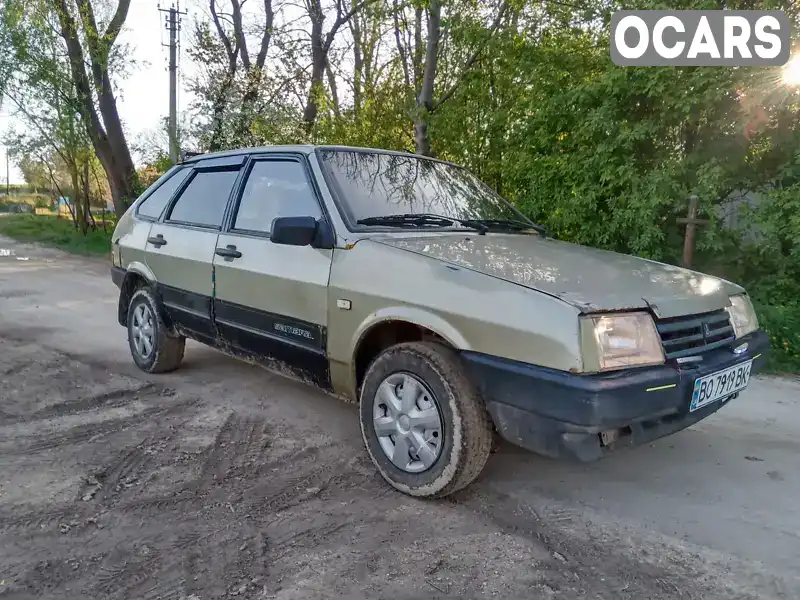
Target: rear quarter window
x=155, y=203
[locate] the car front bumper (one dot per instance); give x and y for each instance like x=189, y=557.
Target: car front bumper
x=584, y=417
x=118, y=275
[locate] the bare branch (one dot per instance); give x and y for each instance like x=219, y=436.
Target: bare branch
x=220, y=31
x=36, y=123
x=239, y=33
x=341, y=19
x=116, y=23
x=267, y=36
x=401, y=48
x=473, y=58
x=333, y=88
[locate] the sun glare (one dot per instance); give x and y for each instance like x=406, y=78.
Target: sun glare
x=791, y=71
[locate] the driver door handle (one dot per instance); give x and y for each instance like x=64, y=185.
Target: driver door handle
x=157, y=241
x=229, y=251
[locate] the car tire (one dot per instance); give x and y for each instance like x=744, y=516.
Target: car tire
x=154, y=347
x=465, y=434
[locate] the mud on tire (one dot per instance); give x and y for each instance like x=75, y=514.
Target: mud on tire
x=167, y=346
x=466, y=427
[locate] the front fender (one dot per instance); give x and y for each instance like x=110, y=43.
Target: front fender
x=141, y=269
x=415, y=316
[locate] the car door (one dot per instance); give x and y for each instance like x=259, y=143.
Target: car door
x=180, y=247
x=271, y=299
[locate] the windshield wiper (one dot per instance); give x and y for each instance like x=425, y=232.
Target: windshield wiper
x=421, y=220
x=507, y=224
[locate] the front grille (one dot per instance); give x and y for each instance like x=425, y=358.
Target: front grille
x=684, y=336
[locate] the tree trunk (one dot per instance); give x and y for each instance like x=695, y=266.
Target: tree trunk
x=320, y=46
x=333, y=88
x=107, y=136
x=255, y=73
x=87, y=197
x=120, y=158
x=319, y=60
x=425, y=98
x=358, y=64
x=221, y=99
x=79, y=214
x=218, y=111
x=399, y=40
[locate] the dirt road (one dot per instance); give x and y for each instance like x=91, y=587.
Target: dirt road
x=225, y=481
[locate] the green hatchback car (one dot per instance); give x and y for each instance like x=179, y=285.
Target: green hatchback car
x=407, y=285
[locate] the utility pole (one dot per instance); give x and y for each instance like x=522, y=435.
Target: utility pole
x=173, y=25
x=8, y=177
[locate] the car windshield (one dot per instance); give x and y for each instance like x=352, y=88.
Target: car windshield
x=372, y=185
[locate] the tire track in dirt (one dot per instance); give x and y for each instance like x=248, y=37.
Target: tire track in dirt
x=85, y=433
x=93, y=431
x=42, y=520
x=281, y=547
x=170, y=571
x=147, y=580
x=102, y=400
x=239, y=446
x=160, y=505
x=123, y=471
x=129, y=572
x=573, y=556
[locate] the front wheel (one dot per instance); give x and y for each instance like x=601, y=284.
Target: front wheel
x=424, y=423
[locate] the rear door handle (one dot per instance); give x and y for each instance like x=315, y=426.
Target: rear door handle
x=157, y=241
x=228, y=252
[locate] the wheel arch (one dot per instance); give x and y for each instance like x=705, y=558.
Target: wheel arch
x=394, y=325
x=137, y=275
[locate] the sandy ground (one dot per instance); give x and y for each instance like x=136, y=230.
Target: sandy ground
x=223, y=480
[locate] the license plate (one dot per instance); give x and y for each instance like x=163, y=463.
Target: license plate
x=720, y=385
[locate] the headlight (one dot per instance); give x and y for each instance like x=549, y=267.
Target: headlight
x=626, y=340
x=743, y=316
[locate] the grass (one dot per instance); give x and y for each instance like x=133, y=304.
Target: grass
x=57, y=233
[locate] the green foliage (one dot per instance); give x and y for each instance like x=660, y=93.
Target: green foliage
x=58, y=233
x=764, y=256
x=607, y=156
x=782, y=324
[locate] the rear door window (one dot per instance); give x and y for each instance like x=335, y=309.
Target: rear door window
x=203, y=201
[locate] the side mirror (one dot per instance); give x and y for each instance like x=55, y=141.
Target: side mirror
x=293, y=231
x=301, y=231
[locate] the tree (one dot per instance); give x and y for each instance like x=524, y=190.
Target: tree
x=236, y=85
x=321, y=42
x=41, y=92
x=34, y=172
x=87, y=42
x=421, y=54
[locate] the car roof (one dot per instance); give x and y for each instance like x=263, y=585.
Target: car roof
x=302, y=148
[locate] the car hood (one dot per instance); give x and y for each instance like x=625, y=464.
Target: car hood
x=593, y=280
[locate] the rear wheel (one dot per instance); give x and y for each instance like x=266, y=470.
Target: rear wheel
x=155, y=349
x=423, y=422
